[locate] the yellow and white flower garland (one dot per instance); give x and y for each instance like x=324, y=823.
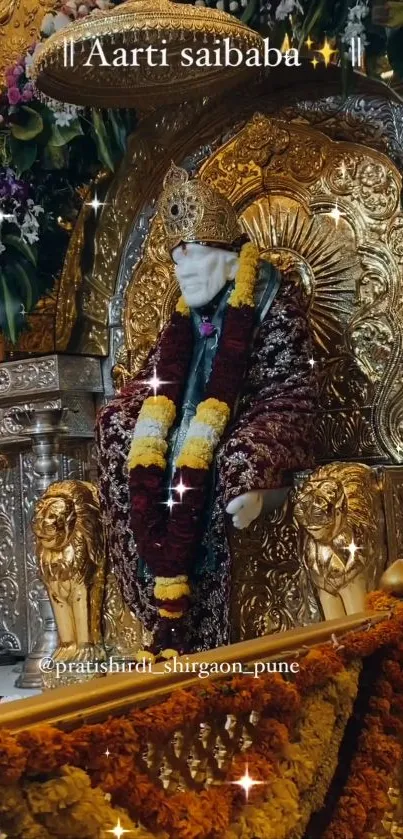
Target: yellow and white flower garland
x=157, y=415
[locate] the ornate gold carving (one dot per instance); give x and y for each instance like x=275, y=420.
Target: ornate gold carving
x=143, y=23
x=270, y=590
x=19, y=27
x=328, y=210
x=123, y=633
x=91, y=302
x=193, y=211
x=88, y=606
x=39, y=337
x=393, y=490
x=72, y=564
x=339, y=508
x=151, y=300
x=70, y=281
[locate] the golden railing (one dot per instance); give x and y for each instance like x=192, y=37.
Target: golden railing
x=95, y=700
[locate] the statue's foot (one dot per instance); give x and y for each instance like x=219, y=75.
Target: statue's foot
x=90, y=652
x=65, y=652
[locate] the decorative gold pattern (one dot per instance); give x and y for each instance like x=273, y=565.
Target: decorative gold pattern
x=329, y=206
x=72, y=564
x=171, y=134
x=39, y=336
x=90, y=613
x=72, y=305
x=270, y=590
x=144, y=23
x=193, y=211
x=339, y=508
x=393, y=490
x=19, y=27
x=124, y=634
x=121, y=692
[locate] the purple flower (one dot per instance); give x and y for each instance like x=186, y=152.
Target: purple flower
x=14, y=95
x=18, y=71
x=206, y=329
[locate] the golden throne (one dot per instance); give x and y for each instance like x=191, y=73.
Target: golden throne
x=328, y=210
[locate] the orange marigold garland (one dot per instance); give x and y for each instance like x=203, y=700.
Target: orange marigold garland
x=364, y=799
x=193, y=815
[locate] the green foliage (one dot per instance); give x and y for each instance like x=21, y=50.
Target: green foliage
x=55, y=160
x=29, y=125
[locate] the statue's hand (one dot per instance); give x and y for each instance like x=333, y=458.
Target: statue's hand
x=245, y=509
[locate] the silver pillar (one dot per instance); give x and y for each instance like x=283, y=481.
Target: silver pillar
x=43, y=426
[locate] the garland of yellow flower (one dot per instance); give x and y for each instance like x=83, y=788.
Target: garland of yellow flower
x=159, y=412
x=291, y=765
x=280, y=812
x=66, y=806
x=167, y=544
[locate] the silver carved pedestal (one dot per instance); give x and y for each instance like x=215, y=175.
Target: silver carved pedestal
x=43, y=426
x=51, y=382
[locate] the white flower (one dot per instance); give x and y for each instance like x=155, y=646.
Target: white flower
x=355, y=25
x=29, y=228
x=287, y=7
x=35, y=209
x=63, y=118
x=359, y=11
x=2, y=247
x=60, y=21
x=48, y=25
x=200, y=3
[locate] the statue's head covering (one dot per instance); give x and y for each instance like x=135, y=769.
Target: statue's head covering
x=193, y=211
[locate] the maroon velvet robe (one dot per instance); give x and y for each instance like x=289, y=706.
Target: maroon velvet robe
x=270, y=438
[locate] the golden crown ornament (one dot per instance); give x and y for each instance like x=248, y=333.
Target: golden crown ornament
x=193, y=211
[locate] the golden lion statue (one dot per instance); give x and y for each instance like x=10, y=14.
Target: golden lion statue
x=72, y=562
x=340, y=511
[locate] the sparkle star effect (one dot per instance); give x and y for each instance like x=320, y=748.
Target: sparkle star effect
x=315, y=63
x=107, y=753
x=246, y=782
x=312, y=362
x=326, y=52
x=5, y=217
x=352, y=548
x=95, y=204
x=118, y=830
x=181, y=488
x=155, y=382
x=309, y=42
x=170, y=503
x=335, y=214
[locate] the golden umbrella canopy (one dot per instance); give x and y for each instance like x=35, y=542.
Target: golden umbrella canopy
x=133, y=55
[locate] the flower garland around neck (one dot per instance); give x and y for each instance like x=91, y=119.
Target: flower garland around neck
x=167, y=533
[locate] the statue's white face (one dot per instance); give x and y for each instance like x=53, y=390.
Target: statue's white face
x=202, y=271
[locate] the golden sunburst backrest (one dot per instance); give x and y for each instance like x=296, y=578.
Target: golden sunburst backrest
x=331, y=210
